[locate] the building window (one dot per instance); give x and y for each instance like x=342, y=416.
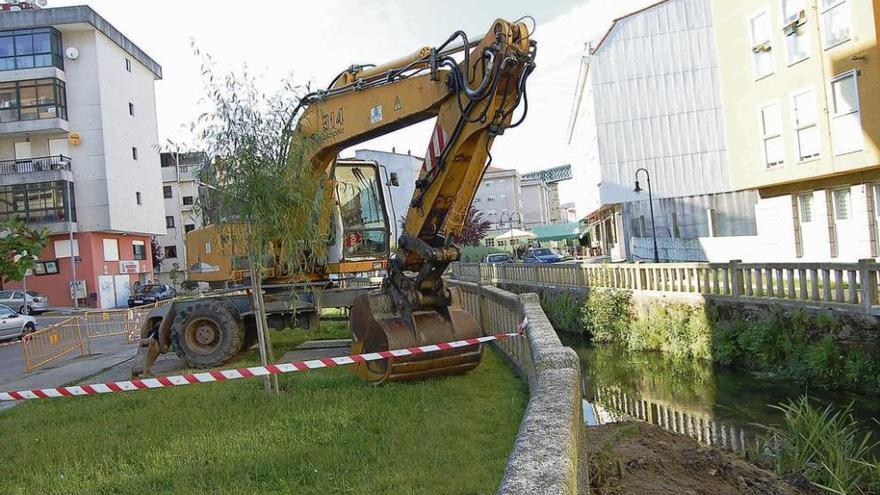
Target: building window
x=490, y=242
x=32, y=99
x=490, y=199
x=134, y=153
x=771, y=135
x=806, y=124
x=169, y=222
x=846, y=119
x=805, y=206
x=842, y=204
x=166, y=160
x=189, y=227
x=187, y=200
x=131, y=109
x=38, y=202
x=139, y=250
x=137, y=197
x=760, y=35
x=111, y=249
x=128, y=64
x=170, y=252
x=166, y=192
x=836, y=22
x=29, y=48
x=797, y=40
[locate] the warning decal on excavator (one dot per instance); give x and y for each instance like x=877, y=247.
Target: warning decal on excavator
x=376, y=114
x=435, y=149
x=397, y=105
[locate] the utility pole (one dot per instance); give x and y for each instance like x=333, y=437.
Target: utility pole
x=74, y=283
x=638, y=189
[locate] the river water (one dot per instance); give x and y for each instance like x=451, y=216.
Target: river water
x=714, y=404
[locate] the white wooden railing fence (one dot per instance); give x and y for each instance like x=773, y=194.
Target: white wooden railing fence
x=850, y=286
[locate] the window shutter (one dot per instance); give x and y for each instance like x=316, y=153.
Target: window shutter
x=796, y=219
x=832, y=229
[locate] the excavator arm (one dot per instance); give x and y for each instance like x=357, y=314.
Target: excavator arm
x=473, y=90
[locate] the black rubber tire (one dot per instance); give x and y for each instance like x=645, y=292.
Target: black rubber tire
x=231, y=334
x=28, y=329
x=25, y=310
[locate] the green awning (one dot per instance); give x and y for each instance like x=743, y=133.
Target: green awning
x=557, y=232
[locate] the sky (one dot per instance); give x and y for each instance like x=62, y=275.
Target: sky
x=315, y=40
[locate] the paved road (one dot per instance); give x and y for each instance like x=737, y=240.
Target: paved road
x=12, y=369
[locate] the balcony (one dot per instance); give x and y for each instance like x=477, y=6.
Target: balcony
x=39, y=169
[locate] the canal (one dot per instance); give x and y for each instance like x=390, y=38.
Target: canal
x=714, y=404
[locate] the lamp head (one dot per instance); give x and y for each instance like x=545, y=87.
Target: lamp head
x=638, y=187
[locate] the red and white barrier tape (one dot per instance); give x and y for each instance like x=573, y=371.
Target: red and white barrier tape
x=234, y=374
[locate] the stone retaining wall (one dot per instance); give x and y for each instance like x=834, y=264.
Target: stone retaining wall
x=545, y=455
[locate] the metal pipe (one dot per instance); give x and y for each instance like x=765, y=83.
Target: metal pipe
x=651, y=208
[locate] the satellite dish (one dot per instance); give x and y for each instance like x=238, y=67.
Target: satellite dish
x=42, y=3
x=71, y=52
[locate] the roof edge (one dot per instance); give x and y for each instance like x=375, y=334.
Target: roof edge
x=621, y=18
x=77, y=14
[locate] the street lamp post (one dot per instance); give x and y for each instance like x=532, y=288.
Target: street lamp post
x=638, y=189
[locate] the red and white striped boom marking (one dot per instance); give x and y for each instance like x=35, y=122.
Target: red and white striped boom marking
x=234, y=374
x=435, y=149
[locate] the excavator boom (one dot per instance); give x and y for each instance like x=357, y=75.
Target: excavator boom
x=473, y=90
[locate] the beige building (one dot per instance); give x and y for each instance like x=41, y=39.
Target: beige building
x=800, y=88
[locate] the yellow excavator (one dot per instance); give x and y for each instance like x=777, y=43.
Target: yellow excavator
x=472, y=88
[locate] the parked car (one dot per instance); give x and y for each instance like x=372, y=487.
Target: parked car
x=15, y=325
x=497, y=258
x=542, y=255
x=15, y=299
x=151, y=293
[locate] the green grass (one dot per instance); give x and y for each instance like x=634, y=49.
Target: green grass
x=327, y=433
x=828, y=446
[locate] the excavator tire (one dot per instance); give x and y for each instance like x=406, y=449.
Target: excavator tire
x=207, y=334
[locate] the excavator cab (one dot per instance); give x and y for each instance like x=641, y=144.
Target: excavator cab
x=362, y=238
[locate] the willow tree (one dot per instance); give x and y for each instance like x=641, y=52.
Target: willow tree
x=261, y=187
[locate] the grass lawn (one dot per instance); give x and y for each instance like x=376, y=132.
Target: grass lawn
x=326, y=433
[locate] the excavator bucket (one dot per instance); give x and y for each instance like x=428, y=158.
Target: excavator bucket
x=377, y=328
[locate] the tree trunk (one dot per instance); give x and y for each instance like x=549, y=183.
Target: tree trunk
x=270, y=382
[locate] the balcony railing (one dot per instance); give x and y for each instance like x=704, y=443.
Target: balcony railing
x=31, y=165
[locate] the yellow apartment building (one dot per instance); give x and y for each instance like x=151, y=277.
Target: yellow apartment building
x=800, y=88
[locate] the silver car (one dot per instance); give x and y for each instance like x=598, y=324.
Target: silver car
x=14, y=325
x=15, y=299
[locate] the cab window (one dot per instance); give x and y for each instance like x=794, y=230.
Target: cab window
x=365, y=224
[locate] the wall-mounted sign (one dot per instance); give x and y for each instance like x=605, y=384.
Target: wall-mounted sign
x=80, y=289
x=128, y=267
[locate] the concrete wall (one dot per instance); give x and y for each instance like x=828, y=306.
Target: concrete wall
x=122, y=132
x=743, y=92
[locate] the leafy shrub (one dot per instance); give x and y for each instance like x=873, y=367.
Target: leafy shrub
x=608, y=313
x=680, y=330
x=830, y=447
x=565, y=311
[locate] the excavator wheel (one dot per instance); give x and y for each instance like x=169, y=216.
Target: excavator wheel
x=376, y=328
x=207, y=334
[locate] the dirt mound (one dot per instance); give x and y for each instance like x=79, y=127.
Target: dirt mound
x=638, y=458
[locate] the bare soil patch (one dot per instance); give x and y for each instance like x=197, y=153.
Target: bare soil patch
x=638, y=458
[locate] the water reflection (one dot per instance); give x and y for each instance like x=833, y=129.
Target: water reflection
x=717, y=406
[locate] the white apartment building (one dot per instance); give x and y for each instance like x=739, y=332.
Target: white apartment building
x=78, y=134
x=180, y=191
x=648, y=98
x=499, y=198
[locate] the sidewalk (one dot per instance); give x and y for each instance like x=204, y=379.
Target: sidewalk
x=107, y=353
